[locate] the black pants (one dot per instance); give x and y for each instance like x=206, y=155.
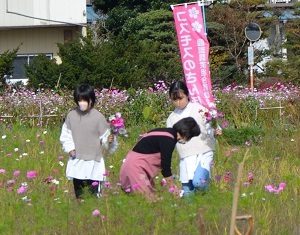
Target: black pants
x=80, y=184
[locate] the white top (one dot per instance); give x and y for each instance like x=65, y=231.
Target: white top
x=199, y=144
x=199, y=150
x=82, y=169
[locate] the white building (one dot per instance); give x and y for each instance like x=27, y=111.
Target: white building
x=37, y=26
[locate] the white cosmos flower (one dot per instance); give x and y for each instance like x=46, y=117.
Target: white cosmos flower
x=3, y=137
x=27, y=141
x=16, y=149
x=54, y=181
x=61, y=163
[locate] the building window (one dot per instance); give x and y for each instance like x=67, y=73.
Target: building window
x=19, y=65
x=68, y=35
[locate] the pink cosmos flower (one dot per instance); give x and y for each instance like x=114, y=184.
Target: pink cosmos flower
x=106, y=173
x=31, y=174
x=274, y=190
x=52, y=187
x=128, y=190
x=22, y=189
x=228, y=154
x=224, y=124
x=61, y=157
x=247, y=143
x=95, y=183
x=11, y=181
x=96, y=212
x=282, y=185
x=16, y=173
x=226, y=178
x=250, y=177
x=2, y=171
x=55, y=171
x=163, y=182
x=171, y=190
x=8, y=155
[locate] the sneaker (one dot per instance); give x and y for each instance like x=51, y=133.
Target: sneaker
x=80, y=200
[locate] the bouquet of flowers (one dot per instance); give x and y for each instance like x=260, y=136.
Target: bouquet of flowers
x=212, y=116
x=117, y=124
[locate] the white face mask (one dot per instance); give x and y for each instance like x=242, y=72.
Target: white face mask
x=83, y=105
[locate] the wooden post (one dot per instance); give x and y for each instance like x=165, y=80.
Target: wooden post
x=245, y=217
x=236, y=194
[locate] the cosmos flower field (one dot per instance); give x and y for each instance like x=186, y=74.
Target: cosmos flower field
x=36, y=197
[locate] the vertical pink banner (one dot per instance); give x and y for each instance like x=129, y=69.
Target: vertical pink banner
x=194, y=50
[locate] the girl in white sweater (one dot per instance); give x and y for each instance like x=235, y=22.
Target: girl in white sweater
x=196, y=155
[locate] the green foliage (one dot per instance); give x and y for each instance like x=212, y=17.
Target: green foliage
x=80, y=63
x=152, y=26
x=6, y=63
x=147, y=107
x=233, y=106
x=239, y=136
x=43, y=72
x=287, y=72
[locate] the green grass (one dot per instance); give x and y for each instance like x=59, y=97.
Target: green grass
x=54, y=210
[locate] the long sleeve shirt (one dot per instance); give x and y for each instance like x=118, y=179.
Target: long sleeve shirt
x=164, y=145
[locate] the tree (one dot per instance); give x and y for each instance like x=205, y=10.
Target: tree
x=6, y=63
x=43, y=72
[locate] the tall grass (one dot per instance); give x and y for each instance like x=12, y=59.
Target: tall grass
x=49, y=206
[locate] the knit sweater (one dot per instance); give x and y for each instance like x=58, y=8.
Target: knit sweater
x=197, y=145
x=86, y=128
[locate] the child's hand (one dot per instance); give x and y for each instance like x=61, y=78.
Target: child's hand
x=72, y=154
x=110, y=138
x=218, y=131
x=177, y=192
x=173, y=187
